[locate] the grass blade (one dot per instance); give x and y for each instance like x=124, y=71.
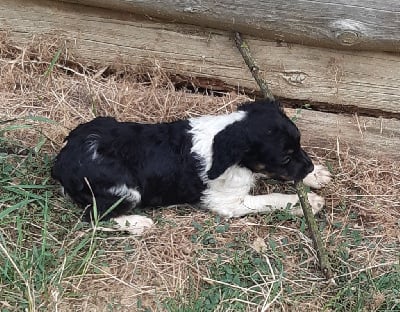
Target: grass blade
x=53, y=62
x=12, y=208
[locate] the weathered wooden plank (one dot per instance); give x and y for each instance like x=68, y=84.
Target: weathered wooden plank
x=368, y=136
x=357, y=24
x=368, y=80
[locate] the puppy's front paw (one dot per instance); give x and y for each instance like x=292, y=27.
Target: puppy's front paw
x=318, y=178
x=317, y=203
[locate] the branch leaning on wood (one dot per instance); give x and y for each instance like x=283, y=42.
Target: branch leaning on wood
x=301, y=190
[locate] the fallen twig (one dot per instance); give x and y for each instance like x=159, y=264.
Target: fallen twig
x=301, y=190
x=322, y=254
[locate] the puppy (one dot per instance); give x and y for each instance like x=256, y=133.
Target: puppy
x=214, y=160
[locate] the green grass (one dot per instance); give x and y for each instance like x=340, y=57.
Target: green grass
x=366, y=292
x=242, y=279
x=37, y=248
x=43, y=244
x=238, y=276
x=235, y=284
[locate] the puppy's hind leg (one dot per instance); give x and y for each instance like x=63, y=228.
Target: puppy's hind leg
x=134, y=224
x=112, y=208
x=106, y=207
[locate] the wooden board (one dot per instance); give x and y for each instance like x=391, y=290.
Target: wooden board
x=352, y=24
x=368, y=136
x=369, y=81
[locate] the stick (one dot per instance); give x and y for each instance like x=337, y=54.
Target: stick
x=322, y=254
x=254, y=69
x=300, y=188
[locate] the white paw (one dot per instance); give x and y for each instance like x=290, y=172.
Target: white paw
x=318, y=178
x=317, y=203
x=133, y=224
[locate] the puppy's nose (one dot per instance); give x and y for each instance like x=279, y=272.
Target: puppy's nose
x=310, y=168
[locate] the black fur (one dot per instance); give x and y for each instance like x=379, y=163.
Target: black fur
x=263, y=140
x=153, y=158
x=156, y=159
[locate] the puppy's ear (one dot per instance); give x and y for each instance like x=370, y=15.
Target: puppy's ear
x=228, y=148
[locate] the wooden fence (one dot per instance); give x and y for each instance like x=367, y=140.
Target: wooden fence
x=339, y=55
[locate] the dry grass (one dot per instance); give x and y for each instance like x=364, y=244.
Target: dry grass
x=190, y=253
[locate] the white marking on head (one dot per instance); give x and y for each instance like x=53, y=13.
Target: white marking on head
x=122, y=190
x=204, y=129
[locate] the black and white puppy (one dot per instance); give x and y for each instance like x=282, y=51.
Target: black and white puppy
x=214, y=160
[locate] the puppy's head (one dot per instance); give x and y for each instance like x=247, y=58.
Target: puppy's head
x=265, y=141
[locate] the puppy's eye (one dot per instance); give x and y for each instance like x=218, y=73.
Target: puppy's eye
x=286, y=160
